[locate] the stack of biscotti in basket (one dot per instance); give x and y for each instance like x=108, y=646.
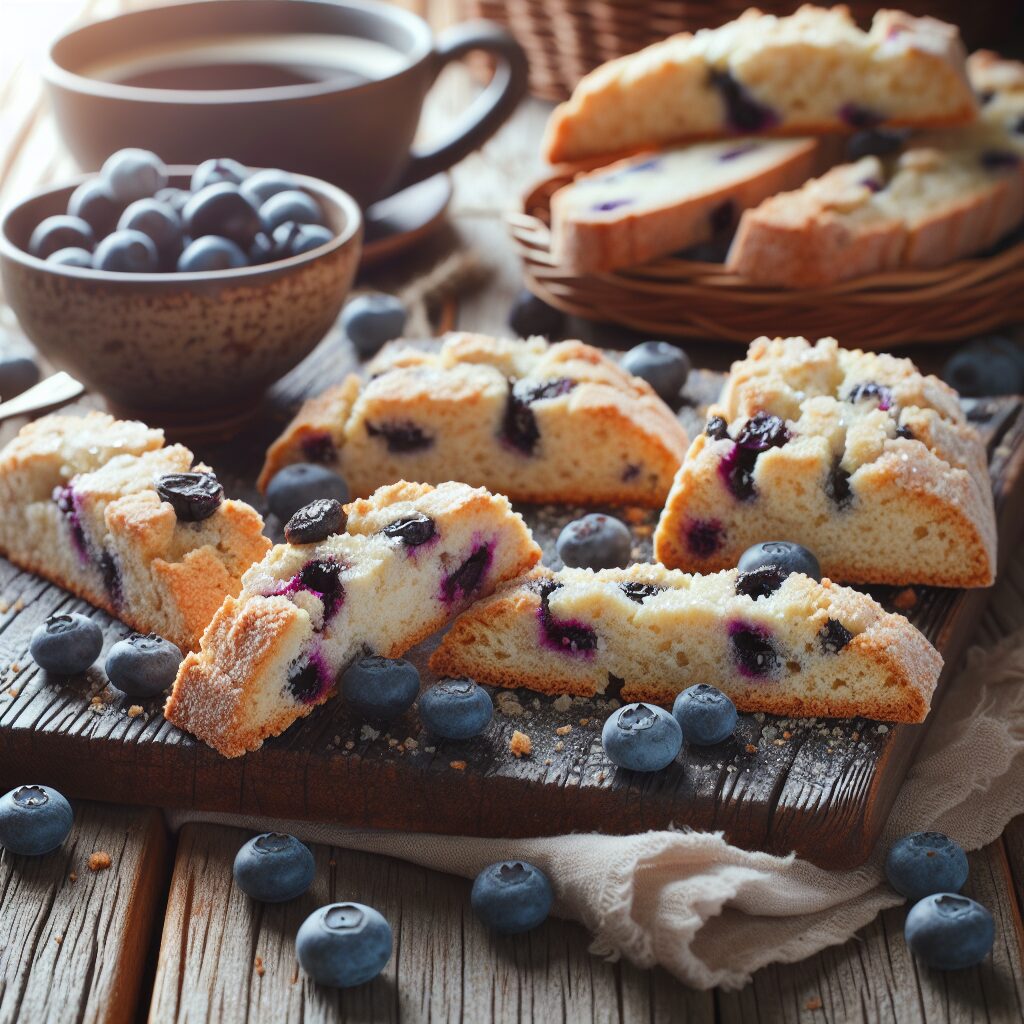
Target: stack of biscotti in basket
x=811, y=151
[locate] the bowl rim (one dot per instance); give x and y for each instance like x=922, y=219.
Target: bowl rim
x=352, y=231
x=57, y=75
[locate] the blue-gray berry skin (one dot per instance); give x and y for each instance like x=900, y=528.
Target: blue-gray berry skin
x=159, y=222
x=789, y=556
x=291, y=205
x=96, y=204
x=211, y=252
x=641, y=737
x=370, y=321
x=949, y=932
x=17, y=374
x=664, y=366
x=34, y=820
x=596, y=541
x=213, y=172
x=274, y=867
x=60, y=232
x=297, y=485
x=344, y=944
x=66, y=644
x=530, y=316
x=134, y=174
x=986, y=366
x=261, y=185
x=291, y=239
x=72, y=256
x=380, y=689
x=143, y=666
x=705, y=714
x=923, y=863
x=222, y=210
x=127, y=252
x=456, y=709
x=512, y=897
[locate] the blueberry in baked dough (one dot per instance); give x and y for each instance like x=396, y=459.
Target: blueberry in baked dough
x=127, y=252
x=259, y=186
x=949, y=932
x=344, y=944
x=664, y=366
x=274, y=867
x=370, y=321
x=412, y=530
x=300, y=483
x=17, y=374
x=986, y=366
x=66, y=644
x=512, y=897
x=315, y=522
x=222, y=210
x=160, y=222
x=530, y=316
x=380, y=689
x=787, y=555
x=61, y=231
x=456, y=709
x=705, y=714
x=211, y=252
x=142, y=666
x=193, y=496
x=72, y=256
x=34, y=820
x=596, y=541
x=213, y=172
x=95, y=203
x=923, y=863
x=292, y=205
x=134, y=174
x=641, y=737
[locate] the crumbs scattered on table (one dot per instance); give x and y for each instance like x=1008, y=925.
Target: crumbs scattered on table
x=521, y=745
x=368, y=732
x=548, y=762
x=584, y=721
x=509, y=706
x=350, y=744
x=562, y=704
x=750, y=748
x=14, y=691
x=258, y=965
x=410, y=743
x=814, y=1003
x=58, y=939
x=99, y=861
x=559, y=747
x=787, y=735
x=134, y=711
x=563, y=730
x=904, y=599
x=73, y=877
x=459, y=766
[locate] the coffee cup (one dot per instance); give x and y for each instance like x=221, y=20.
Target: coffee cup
x=328, y=88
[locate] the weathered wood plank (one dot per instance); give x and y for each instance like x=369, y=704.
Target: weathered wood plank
x=73, y=941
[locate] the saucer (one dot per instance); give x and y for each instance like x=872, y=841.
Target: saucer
x=402, y=220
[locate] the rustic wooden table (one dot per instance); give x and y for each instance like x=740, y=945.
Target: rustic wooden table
x=163, y=935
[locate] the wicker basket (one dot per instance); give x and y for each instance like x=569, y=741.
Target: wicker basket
x=675, y=297
x=564, y=39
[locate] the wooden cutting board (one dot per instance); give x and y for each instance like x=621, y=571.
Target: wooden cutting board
x=822, y=788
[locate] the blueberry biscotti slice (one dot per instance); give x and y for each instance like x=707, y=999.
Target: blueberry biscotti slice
x=411, y=557
x=658, y=203
x=810, y=72
x=537, y=422
x=784, y=645
x=101, y=507
x=854, y=455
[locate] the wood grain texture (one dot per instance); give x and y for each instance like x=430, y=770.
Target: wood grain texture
x=73, y=941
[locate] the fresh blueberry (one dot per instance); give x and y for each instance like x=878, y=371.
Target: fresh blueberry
x=274, y=867
x=705, y=714
x=292, y=239
x=66, y=644
x=261, y=185
x=344, y=944
x=530, y=316
x=96, y=204
x=222, y=210
x=156, y=220
x=127, y=252
x=211, y=253
x=372, y=320
x=34, y=820
x=60, y=232
x=596, y=541
x=297, y=485
x=986, y=366
x=143, y=666
x=789, y=557
x=642, y=737
x=924, y=863
x=134, y=174
x=72, y=256
x=263, y=250
x=193, y=496
x=380, y=689
x=665, y=367
x=17, y=374
x=291, y=205
x=511, y=897
x=213, y=172
x=949, y=932
x=456, y=709
x=175, y=198
x=315, y=522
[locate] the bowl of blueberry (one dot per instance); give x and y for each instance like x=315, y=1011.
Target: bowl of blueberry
x=180, y=293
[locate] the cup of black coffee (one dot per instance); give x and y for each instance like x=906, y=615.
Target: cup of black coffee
x=328, y=88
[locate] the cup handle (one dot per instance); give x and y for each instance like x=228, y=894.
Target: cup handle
x=488, y=112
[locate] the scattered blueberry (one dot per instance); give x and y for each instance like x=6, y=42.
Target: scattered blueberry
x=291, y=205
x=274, y=867
x=96, y=204
x=134, y=174
x=194, y=496
x=211, y=253
x=531, y=316
x=143, y=666
x=380, y=689
x=986, y=366
x=949, y=932
x=344, y=944
x=292, y=239
x=261, y=185
x=315, y=522
x=72, y=256
x=17, y=374
x=297, y=485
x=60, y=232
x=456, y=709
x=127, y=252
x=924, y=863
x=222, y=210
x=705, y=714
x=34, y=820
x=66, y=644
x=787, y=555
x=511, y=897
x=665, y=367
x=158, y=221
x=213, y=172
x=372, y=320
x=642, y=737
x=596, y=541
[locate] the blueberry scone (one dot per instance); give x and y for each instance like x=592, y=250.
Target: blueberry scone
x=537, y=422
x=855, y=455
x=410, y=557
x=660, y=202
x=104, y=509
x=813, y=71
x=786, y=645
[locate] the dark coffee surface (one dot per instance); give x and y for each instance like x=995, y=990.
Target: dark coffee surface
x=241, y=75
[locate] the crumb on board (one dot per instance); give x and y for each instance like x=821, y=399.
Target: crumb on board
x=134, y=711
x=521, y=745
x=548, y=762
x=258, y=965
x=750, y=748
x=19, y=604
x=99, y=861
x=814, y=1003
x=562, y=704
x=563, y=730
x=559, y=747
x=368, y=732
x=459, y=766
x=58, y=939
x=73, y=877
x=15, y=666
x=410, y=743
x=5, y=606
x=787, y=735
x=634, y=514
x=14, y=691
x=904, y=599
x=584, y=721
